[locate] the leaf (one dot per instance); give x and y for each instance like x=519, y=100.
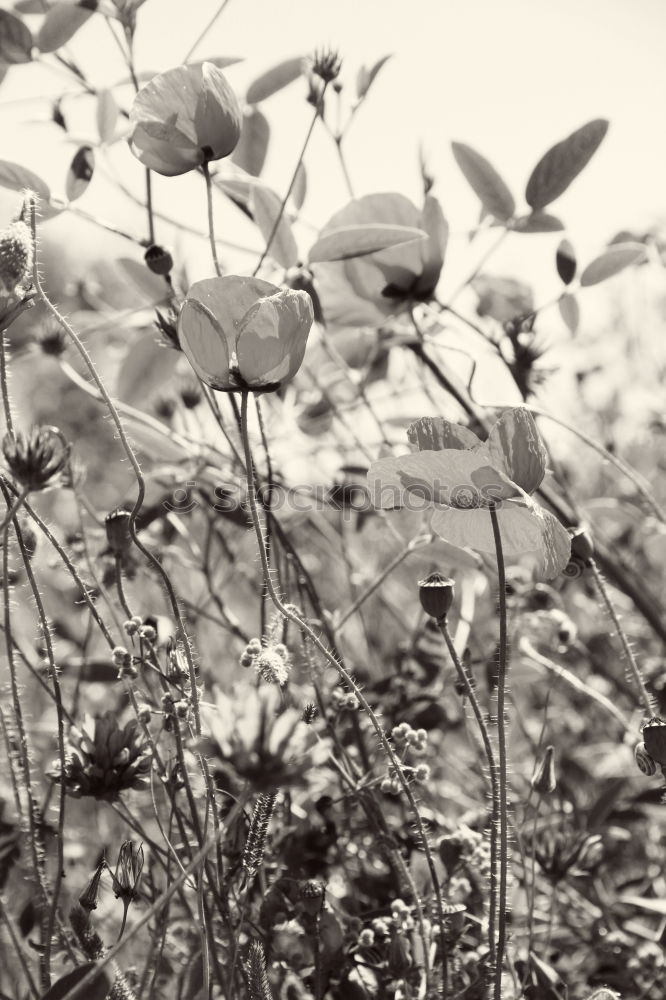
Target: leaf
x=265, y=206
x=299, y=190
x=98, y=989
x=560, y=165
x=644, y=903
x=485, y=181
x=538, y=222
x=346, y=242
x=19, y=178
x=146, y=368
x=61, y=23
x=438, y=434
x=565, y=261
x=250, y=153
x=152, y=287
x=31, y=6
x=274, y=79
x=106, y=115
x=220, y=61
x=16, y=41
x=366, y=77
x=569, y=311
x=80, y=172
x=611, y=262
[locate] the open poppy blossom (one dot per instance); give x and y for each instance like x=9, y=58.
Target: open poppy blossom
x=242, y=333
x=184, y=118
x=462, y=478
x=365, y=290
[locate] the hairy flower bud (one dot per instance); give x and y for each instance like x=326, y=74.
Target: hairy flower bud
x=37, y=459
x=543, y=780
x=16, y=253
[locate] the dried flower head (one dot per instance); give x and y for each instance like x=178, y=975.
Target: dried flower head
x=16, y=252
x=104, y=759
x=52, y=341
x=326, y=64
x=38, y=459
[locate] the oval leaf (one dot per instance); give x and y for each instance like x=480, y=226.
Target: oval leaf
x=265, y=206
x=250, y=153
x=98, y=989
x=560, y=165
x=300, y=187
x=106, y=115
x=147, y=368
x=569, y=311
x=18, y=178
x=366, y=77
x=565, y=261
x=611, y=262
x=346, y=242
x=274, y=79
x=15, y=39
x=485, y=182
x=61, y=22
x=80, y=173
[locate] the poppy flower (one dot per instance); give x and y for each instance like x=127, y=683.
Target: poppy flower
x=363, y=291
x=242, y=333
x=184, y=118
x=462, y=477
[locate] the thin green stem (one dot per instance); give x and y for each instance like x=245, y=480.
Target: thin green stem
x=211, y=220
x=502, y=672
x=628, y=652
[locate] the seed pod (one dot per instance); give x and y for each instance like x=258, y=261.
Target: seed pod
x=582, y=546
x=117, y=531
x=644, y=761
x=543, y=780
x=436, y=595
x=158, y=259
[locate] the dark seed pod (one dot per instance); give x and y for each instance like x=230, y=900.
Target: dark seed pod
x=117, y=531
x=158, y=260
x=644, y=761
x=436, y=595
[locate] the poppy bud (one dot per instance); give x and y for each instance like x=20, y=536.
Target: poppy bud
x=582, y=546
x=117, y=531
x=645, y=762
x=436, y=595
x=543, y=779
x=38, y=459
x=158, y=260
x=88, y=898
x=15, y=256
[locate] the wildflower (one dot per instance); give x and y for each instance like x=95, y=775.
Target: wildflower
x=436, y=595
x=16, y=253
x=105, y=759
x=127, y=876
x=543, y=779
x=242, y=333
x=366, y=938
x=36, y=460
x=565, y=852
x=184, y=118
x=463, y=478
x=326, y=64
x=363, y=291
x=422, y=773
x=88, y=898
x=255, y=845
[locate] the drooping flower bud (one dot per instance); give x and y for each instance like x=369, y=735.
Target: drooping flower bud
x=117, y=531
x=436, y=595
x=582, y=545
x=16, y=253
x=36, y=460
x=543, y=780
x=88, y=898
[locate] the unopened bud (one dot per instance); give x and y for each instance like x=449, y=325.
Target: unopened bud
x=117, y=531
x=15, y=257
x=158, y=260
x=582, y=545
x=543, y=780
x=436, y=595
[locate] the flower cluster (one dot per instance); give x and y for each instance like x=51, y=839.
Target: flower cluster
x=104, y=759
x=270, y=660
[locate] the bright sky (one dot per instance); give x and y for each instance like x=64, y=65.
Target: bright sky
x=509, y=77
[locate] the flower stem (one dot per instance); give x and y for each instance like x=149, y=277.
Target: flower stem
x=211, y=220
x=602, y=587
x=502, y=671
x=467, y=683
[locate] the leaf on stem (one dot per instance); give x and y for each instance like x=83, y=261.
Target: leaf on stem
x=61, y=23
x=15, y=39
x=565, y=261
x=611, y=262
x=265, y=206
x=274, y=79
x=346, y=242
x=538, y=222
x=366, y=77
x=106, y=115
x=569, y=311
x=560, y=165
x=80, y=172
x=484, y=180
x=250, y=153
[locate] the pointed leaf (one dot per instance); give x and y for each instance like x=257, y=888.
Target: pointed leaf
x=485, y=181
x=18, y=178
x=80, y=173
x=15, y=39
x=220, y=61
x=61, y=23
x=346, y=242
x=152, y=286
x=250, y=153
x=265, y=206
x=98, y=989
x=569, y=311
x=107, y=115
x=366, y=77
x=611, y=262
x=146, y=368
x=274, y=79
x=299, y=190
x=560, y=165
x=538, y=222
x=565, y=261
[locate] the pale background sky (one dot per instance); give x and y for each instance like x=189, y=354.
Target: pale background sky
x=509, y=77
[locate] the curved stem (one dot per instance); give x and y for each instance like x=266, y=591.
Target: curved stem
x=291, y=615
x=502, y=671
x=211, y=219
x=628, y=652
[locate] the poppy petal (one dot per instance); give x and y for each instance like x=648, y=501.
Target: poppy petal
x=204, y=344
x=272, y=337
x=437, y=434
x=443, y=477
x=515, y=446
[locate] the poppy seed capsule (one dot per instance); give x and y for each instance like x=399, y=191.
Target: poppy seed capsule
x=582, y=545
x=543, y=779
x=158, y=260
x=436, y=595
x=117, y=531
